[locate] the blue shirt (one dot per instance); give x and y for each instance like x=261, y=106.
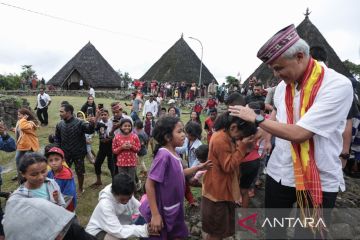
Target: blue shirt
x=40, y=192
x=7, y=144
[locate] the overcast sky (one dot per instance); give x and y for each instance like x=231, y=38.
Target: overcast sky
x=139, y=32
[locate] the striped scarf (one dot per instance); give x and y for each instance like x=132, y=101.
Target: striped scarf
x=307, y=177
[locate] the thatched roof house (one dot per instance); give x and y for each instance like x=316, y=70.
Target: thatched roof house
x=178, y=64
x=307, y=31
x=90, y=66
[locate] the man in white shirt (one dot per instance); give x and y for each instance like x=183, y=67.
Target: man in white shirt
x=81, y=84
x=318, y=126
x=92, y=91
x=112, y=216
x=42, y=104
x=150, y=106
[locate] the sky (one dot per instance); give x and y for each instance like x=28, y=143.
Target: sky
x=133, y=35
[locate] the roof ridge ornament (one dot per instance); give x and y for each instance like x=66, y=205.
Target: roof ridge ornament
x=307, y=13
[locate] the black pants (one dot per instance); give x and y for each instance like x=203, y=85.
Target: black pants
x=279, y=196
x=42, y=115
x=77, y=232
x=105, y=151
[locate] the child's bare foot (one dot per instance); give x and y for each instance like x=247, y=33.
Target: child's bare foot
x=96, y=184
x=80, y=192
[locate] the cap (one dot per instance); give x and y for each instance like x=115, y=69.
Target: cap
x=55, y=150
x=278, y=44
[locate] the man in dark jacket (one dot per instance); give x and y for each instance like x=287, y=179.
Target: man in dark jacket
x=257, y=95
x=70, y=136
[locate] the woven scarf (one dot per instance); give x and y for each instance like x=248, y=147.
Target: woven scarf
x=307, y=177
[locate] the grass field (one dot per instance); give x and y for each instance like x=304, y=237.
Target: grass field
x=89, y=199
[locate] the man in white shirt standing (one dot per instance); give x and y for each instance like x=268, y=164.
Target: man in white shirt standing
x=92, y=91
x=310, y=109
x=81, y=84
x=150, y=106
x=42, y=104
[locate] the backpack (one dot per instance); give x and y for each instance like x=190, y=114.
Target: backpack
x=42, y=102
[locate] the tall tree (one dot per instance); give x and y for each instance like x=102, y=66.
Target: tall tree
x=230, y=81
x=353, y=68
x=124, y=76
x=27, y=71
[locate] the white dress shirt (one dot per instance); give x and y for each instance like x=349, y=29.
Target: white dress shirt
x=326, y=119
x=45, y=97
x=150, y=107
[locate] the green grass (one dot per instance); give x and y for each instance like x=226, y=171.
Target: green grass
x=89, y=199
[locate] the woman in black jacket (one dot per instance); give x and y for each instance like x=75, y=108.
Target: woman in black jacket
x=89, y=107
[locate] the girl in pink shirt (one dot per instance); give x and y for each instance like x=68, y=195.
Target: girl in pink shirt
x=126, y=145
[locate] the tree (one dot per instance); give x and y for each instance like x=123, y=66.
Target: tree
x=27, y=72
x=232, y=81
x=10, y=82
x=353, y=68
x=124, y=76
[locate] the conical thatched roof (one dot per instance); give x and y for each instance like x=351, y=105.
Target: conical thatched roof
x=92, y=67
x=313, y=37
x=178, y=64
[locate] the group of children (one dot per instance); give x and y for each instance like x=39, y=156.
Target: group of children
x=180, y=161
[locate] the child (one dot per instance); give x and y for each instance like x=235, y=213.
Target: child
x=192, y=142
x=144, y=139
x=25, y=134
x=220, y=189
x=104, y=126
x=112, y=216
x=195, y=117
x=162, y=112
x=210, y=104
x=63, y=176
x=33, y=168
x=209, y=123
x=202, y=155
x=126, y=145
x=165, y=186
x=198, y=107
x=149, y=125
x=90, y=154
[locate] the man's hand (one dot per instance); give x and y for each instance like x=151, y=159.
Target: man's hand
x=92, y=120
x=245, y=113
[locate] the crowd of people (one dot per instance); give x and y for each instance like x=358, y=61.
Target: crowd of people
x=296, y=133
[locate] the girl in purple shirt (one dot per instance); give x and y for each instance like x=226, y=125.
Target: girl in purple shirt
x=165, y=186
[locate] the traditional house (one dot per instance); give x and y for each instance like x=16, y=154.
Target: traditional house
x=307, y=31
x=179, y=64
x=87, y=65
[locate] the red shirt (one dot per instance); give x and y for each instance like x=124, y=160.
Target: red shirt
x=209, y=125
x=253, y=155
x=211, y=103
x=126, y=157
x=198, y=108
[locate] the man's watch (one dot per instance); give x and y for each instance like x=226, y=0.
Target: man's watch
x=259, y=119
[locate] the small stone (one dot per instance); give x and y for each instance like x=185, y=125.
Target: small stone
x=199, y=225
